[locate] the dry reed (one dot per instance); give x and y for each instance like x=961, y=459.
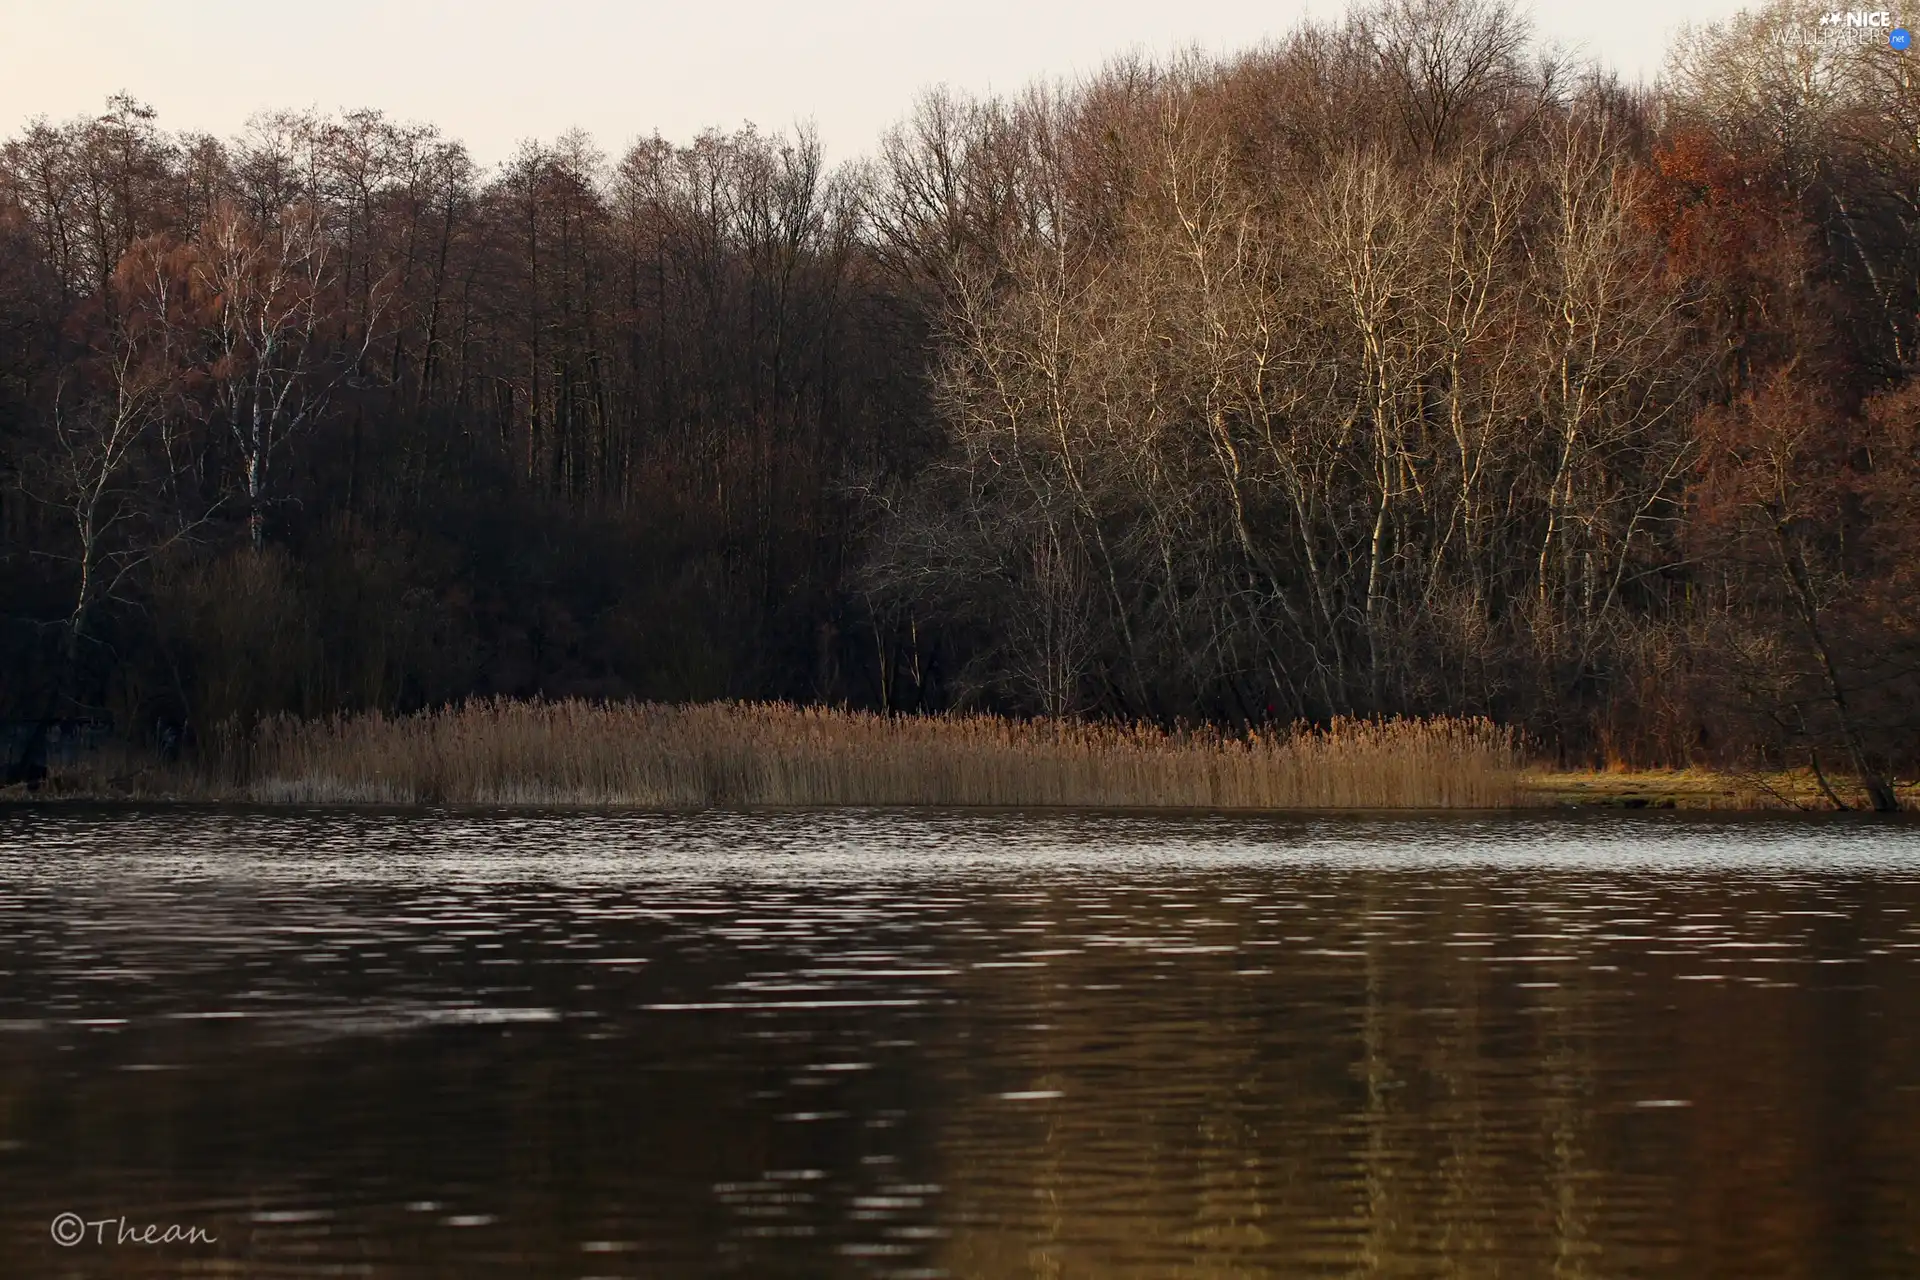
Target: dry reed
x=648, y=755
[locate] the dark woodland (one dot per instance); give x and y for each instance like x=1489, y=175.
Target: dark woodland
x=1400, y=367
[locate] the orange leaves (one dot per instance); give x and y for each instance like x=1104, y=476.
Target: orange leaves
x=1722, y=215
x=1736, y=235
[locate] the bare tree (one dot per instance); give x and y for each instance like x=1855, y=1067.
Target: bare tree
x=277, y=334
x=106, y=466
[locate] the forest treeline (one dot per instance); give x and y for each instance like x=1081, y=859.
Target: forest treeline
x=1400, y=366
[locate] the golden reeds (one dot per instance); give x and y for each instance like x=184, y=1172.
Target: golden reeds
x=648, y=755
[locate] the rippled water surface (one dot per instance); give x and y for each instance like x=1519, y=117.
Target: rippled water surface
x=825, y=1044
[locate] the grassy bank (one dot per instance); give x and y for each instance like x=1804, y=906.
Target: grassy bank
x=1786, y=789
x=646, y=755
x=683, y=757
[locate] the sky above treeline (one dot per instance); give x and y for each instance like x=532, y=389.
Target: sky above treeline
x=494, y=72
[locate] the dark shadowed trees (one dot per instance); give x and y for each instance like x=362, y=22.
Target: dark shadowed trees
x=1393, y=367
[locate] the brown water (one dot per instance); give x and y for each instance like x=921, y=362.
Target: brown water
x=958, y=1045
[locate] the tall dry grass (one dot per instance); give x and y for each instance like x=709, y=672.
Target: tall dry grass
x=681, y=757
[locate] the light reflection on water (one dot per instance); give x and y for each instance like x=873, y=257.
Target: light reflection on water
x=800, y=1044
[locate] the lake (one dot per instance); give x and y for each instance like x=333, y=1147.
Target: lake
x=957, y=1044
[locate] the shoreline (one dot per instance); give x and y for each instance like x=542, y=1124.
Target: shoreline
x=1728, y=791
x=587, y=756
x=578, y=754
x=1537, y=791
x=1689, y=792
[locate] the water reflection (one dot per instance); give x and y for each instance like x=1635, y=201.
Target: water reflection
x=965, y=1045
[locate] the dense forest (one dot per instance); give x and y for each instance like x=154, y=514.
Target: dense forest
x=1401, y=366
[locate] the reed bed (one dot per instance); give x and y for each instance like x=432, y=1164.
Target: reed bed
x=655, y=756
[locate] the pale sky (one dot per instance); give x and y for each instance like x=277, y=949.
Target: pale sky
x=492, y=72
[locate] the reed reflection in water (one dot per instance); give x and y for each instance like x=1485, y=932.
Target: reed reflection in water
x=987, y=1045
